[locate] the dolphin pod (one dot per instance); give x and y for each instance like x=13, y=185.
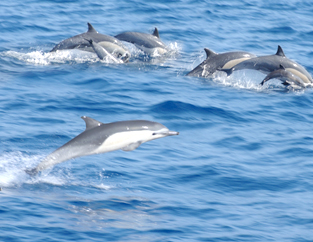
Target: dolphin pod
x=292, y=74
x=128, y=135
x=81, y=41
x=105, y=137
x=270, y=63
x=149, y=43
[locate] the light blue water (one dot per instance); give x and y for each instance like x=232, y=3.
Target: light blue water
x=241, y=168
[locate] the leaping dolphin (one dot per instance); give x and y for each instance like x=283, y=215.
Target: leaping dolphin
x=215, y=61
x=149, y=43
x=111, y=44
x=270, y=63
x=288, y=78
x=101, y=138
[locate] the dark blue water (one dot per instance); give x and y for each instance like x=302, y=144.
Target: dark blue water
x=241, y=168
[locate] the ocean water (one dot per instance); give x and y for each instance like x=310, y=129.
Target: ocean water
x=241, y=168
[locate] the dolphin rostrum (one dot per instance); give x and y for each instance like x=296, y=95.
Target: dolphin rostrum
x=101, y=138
x=149, y=43
x=270, y=63
x=111, y=44
x=286, y=77
x=215, y=61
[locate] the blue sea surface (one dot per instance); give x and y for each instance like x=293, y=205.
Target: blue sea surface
x=240, y=169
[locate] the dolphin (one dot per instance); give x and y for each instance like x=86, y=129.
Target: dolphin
x=286, y=77
x=111, y=44
x=101, y=138
x=269, y=63
x=102, y=53
x=149, y=43
x=216, y=61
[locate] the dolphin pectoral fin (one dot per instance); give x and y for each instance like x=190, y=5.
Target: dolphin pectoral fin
x=132, y=146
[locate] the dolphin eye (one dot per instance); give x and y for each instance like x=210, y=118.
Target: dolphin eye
x=154, y=133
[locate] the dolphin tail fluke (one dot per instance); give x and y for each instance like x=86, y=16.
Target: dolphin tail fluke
x=32, y=172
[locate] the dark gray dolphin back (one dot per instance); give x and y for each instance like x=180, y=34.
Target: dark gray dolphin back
x=142, y=39
x=215, y=61
x=265, y=64
x=96, y=132
x=79, y=41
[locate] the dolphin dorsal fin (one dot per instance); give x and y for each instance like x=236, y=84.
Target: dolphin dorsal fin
x=90, y=122
x=280, y=51
x=156, y=33
x=91, y=28
x=209, y=53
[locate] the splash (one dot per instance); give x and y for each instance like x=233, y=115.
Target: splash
x=14, y=164
x=58, y=57
x=138, y=55
x=250, y=79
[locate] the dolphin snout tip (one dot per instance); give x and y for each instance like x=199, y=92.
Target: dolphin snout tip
x=170, y=133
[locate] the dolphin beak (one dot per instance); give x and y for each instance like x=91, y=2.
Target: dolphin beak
x=166, y=133
x=171, y=133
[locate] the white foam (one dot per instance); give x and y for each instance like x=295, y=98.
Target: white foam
x=247, y=79
x=174, y=48
x=14, y=164
x=58, y=57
